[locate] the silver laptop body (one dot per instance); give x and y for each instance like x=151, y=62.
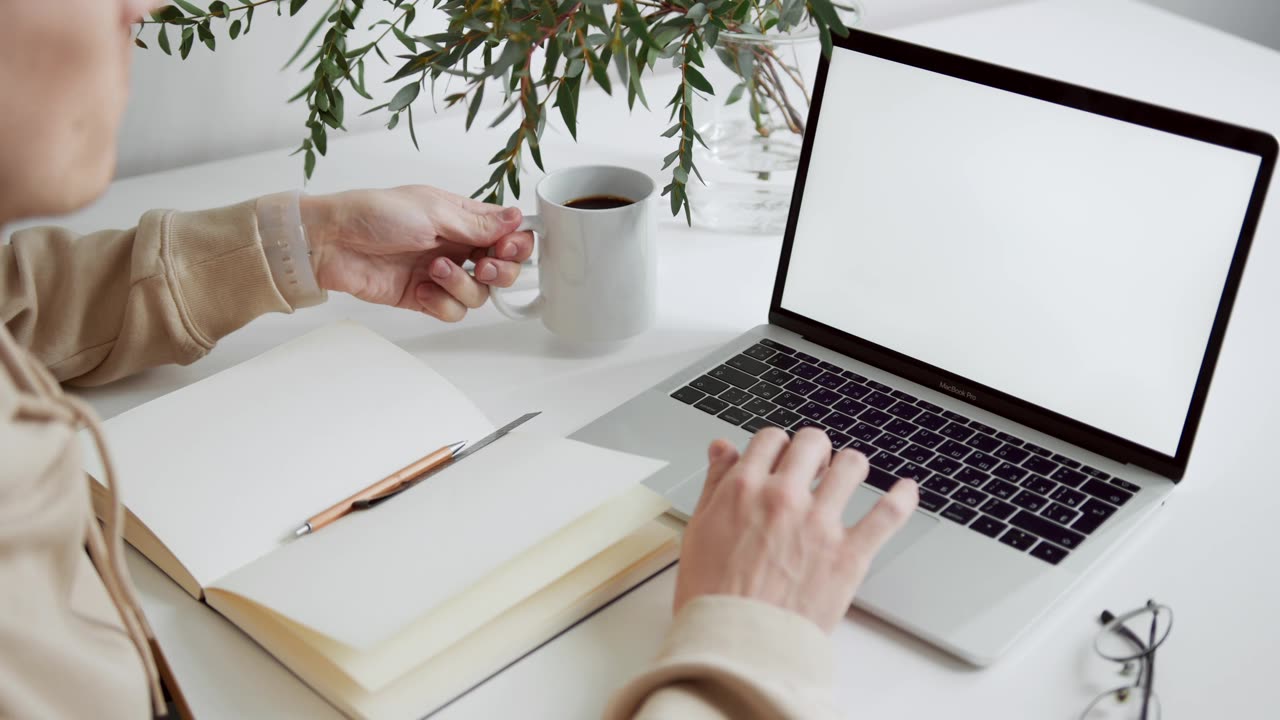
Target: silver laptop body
x=1010, y=286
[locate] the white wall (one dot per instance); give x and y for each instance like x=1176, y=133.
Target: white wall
x=232, y=102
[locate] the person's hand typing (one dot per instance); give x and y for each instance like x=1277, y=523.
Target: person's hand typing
x=405, y=247
x=759, y=532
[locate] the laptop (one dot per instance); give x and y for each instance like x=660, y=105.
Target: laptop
x=1010, y=288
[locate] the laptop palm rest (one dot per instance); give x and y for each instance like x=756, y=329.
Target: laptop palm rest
x=684, y=498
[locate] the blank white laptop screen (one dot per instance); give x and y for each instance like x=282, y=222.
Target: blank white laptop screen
x=1068, y=259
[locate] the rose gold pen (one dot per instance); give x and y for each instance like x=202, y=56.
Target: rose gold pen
x=385, y=485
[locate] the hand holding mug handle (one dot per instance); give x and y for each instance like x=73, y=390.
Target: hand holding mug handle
x=533, y=308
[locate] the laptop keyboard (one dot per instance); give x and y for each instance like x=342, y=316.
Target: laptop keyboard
x=991, y=482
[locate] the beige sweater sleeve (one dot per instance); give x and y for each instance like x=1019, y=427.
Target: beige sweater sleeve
x=99, y=307
x=733, y=658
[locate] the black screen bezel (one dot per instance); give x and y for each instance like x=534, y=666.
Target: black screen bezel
x=1069, y=95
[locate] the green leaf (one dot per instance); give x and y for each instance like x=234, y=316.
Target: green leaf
x=162, y=38
x=167, y=14
x=395, y=120
x=218, y=9
x=696, y=13
x=319, y=137
x=506, y=112
x=206, y=35
x=404, y=97
x=294, y=7
x=536, y=154
x=600, y=73
x=413, y=135
x=235, y=29
x=404, y=39
x=567, y=101
x=188, y=39
x=475, y=105
x=309, y=165
x=139, y=43
x=735, y=94
x=695, y=78
x=191, y=8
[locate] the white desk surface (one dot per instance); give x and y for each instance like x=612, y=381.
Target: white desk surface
x=1210, y=553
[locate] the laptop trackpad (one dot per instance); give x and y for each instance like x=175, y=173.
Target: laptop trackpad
x=919, y=524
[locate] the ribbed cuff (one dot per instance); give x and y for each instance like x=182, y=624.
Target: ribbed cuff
x=284, y=241
x=219, y=271
x=765, y=658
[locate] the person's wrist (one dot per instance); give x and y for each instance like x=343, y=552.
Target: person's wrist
x=317, y=221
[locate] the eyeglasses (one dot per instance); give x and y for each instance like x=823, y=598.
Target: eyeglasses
x=1131, y=639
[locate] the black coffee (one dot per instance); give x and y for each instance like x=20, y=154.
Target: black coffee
x=599, y=202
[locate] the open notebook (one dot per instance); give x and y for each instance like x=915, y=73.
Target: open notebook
x=393, y=611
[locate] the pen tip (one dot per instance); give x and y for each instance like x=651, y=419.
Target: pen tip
x=305, y=529
x=456, y=448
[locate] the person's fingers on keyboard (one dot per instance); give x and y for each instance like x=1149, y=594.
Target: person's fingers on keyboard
x=722, y=455
x=847, y=471
x=886, y=517
x=762, y=454
x=805, y=459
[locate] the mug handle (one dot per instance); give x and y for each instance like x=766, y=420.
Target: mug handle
x=533, y=308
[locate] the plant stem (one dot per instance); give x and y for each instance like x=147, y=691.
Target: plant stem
x=196, y=18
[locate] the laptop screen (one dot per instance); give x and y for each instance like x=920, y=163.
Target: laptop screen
x=1071, y=260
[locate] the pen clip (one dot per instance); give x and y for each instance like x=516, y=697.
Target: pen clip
x=379, y=499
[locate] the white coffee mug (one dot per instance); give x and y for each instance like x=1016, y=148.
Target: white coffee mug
x=597, y=269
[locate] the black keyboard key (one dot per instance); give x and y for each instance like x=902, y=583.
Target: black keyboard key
x=1036, y=450
x=931, y=501
x=969, y=476
x=890, y=442
x=735, y=415
x=1001, y=489
x=710, y=405
x=1040, y=465
x=747, y=364
x=785, y=362
x=783, y=417
x=941, y=485
x=1006, y=437
x=1125, y=485
x=988, y=526
x=1070, y=477
x=806, y=422
x=1092, y=514
x=913, y=470
x=880, y=479
x=969, y=496
x=1068, y=497
x=768, y=391
x=887, y=462
x=759, y=352
x=826, y=397
x=852, y=375
x=879, y=386
x=956, y=432
x=982, y=441
x=807, y=358
x=830, y=367
x=907, y=397
x=849, y=407
x=917, y=453
x=944, y=465
x=830, y=380
x=688, y=395
x=929, y=406
x=1060, y=514
x=775, y=345
x=1011, y=454
x=982, y=428
x=953, y=450
x=898, y=426
x=709, y=385
x=1049, y=553
x=838, y=439
x=1028, y=500
x=734, y=396
x=875, y=417
x=1039, y=485
x=757, y=424
x=855, y=390
x=863, y=431
x=927, y=438
x=776, y=376
x=904, y=411
x=1064, y=460
x=959, y=513
x=806, y=371
x=998, y=508
x=813, y=410
x=1009, y=472
x=931, y=421
x=1052, y=532
x=982, y=461
x=789, y=400
x=878, y=400
x=838, y=421
x=758, y=406
x=1017, y=539
x=1106, y=491
x=862, y=446
x=1095, y=472
x=955, y=417
x=800, y=387
x=734, y=376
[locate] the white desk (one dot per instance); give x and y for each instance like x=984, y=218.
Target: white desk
x=1210, y=553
